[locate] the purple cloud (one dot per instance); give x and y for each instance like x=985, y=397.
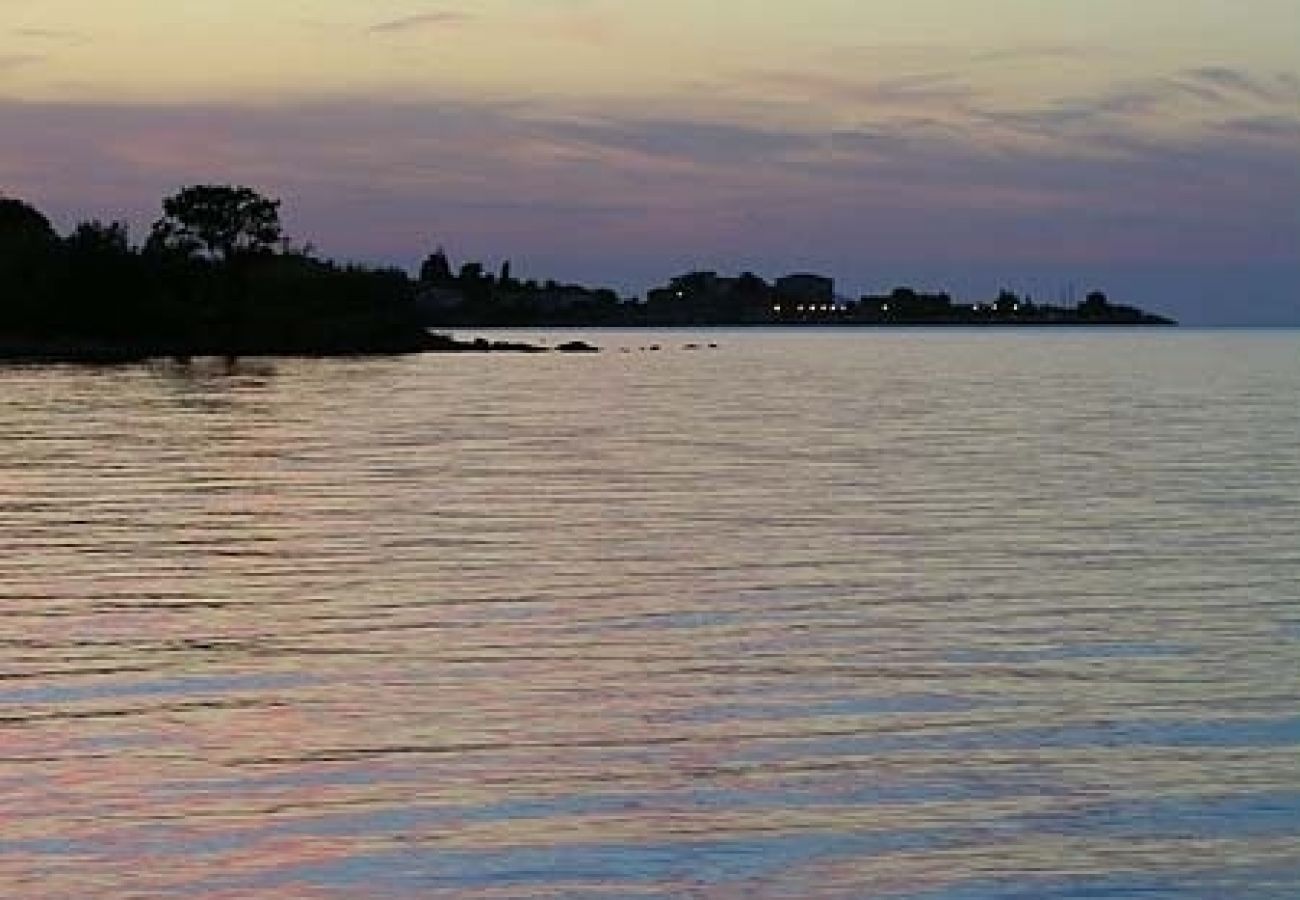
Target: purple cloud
x=1240, y=83
x=618, y=196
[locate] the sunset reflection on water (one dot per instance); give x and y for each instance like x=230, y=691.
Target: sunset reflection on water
x=806, y=615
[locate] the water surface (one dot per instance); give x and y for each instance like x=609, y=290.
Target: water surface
x=947, y=615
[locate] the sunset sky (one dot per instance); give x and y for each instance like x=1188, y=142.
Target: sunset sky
x=1151, y=148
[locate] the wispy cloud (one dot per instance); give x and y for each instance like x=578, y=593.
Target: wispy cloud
x=679, y=141
x=422, y=21
x=1039, y=52
x=916, y=92
x=1200, y=100
x=9, y=61
x=60, y=35
x=1269, y=89
x=1286, y=128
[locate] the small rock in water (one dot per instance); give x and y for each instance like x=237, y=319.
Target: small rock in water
x=577, y=347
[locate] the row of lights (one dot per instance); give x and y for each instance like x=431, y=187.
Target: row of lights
x=812, y=308
x=884, y=307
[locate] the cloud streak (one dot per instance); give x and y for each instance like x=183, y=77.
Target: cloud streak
x=491, y=156
x=422, y=22
x=1230, y=82
x=9, y=61
x=60, y=35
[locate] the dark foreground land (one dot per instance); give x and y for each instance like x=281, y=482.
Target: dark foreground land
x=217, y=277
x=53, y=350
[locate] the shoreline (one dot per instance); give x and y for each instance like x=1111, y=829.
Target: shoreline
x=35, y=350
x=30, y=350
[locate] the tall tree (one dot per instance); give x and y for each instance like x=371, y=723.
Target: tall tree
x=99, y=238
x=24, y=231
x=219, y=221
x=27, y=252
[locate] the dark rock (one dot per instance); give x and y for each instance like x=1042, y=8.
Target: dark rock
x=577, y=347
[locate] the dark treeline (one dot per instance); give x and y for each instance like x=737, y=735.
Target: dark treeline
x=217, y=276
x=471, y=296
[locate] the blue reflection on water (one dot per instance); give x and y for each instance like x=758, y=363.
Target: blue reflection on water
x=1237, y=816
x=181, y=686
x=1226, y=733
x=703, y=862
x=849, y=706
x=1272, y=883
x=1118, y=650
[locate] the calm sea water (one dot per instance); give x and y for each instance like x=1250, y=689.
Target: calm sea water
x=945, y=615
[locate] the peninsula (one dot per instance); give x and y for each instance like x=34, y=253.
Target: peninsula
x=473, y=297
x=217, y=277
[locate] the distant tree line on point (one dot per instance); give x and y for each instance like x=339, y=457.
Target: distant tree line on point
x=473, y=296
x=217, y=275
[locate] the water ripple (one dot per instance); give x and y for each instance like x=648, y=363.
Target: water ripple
x=953, y=616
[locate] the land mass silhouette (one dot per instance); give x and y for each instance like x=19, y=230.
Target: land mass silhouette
x=216, y=276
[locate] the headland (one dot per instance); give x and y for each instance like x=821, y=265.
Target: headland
x=216, y=276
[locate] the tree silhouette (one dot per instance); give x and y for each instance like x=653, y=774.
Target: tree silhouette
x=1095, y=302
x=219, y=221
x=436, y=269
x=27, y=254
x=24, y=231
x=98, y=238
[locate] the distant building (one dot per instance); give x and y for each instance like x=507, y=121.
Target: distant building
x=705, y=297
x=433, y=300
x=906, y=305
x=804, y=287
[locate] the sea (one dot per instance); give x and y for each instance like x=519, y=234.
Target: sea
x=947, y=614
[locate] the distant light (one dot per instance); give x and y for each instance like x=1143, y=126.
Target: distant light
x=885, y=308
x=776, y=308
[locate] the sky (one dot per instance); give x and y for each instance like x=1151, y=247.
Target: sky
x=1149, y=149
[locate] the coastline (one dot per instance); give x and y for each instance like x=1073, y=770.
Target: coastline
x=38, y=350
x=68, y=350
x=217, y=277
